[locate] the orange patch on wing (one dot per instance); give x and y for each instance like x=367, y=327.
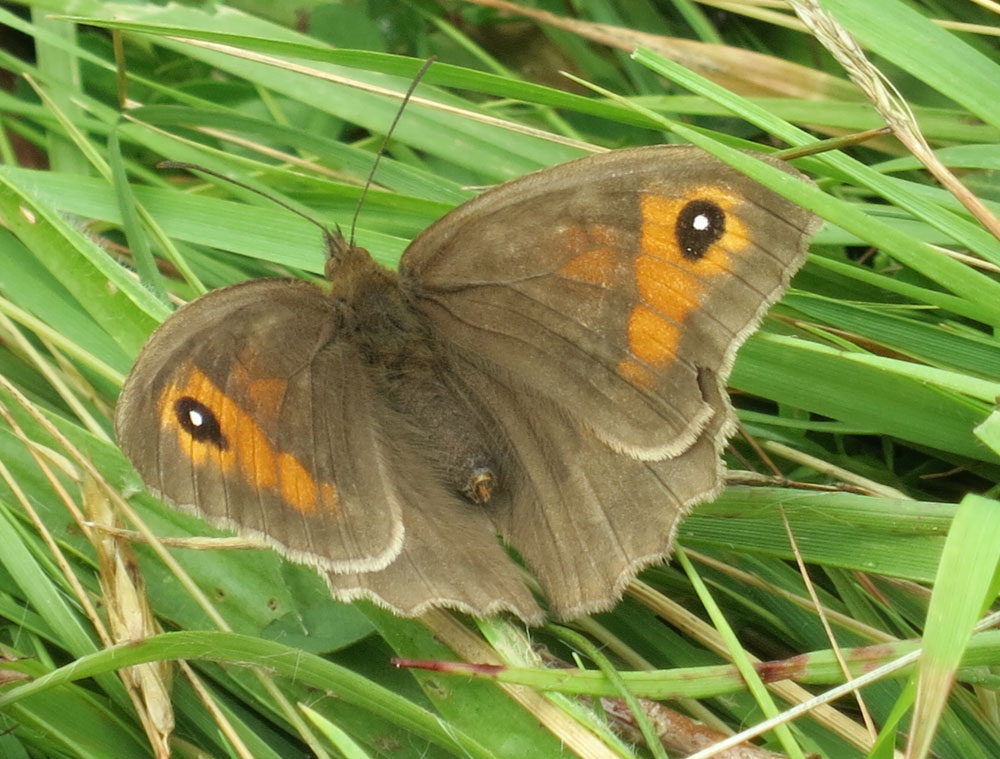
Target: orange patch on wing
x=671, y=286
x=595, y=267
x=298, y=489
x=328, y=497
x=659, y=237
x=260, y=395
x=248, y=452
x=266, y=393
x=672, y=291
x=197, y=386
x=263, y=399
x=636, y=373
x=651, y=337
x=597, y=250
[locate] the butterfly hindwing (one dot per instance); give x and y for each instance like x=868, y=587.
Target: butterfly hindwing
x=586, y=520
x=451, y=556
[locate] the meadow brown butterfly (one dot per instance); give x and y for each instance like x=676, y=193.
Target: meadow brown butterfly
x=548, y=365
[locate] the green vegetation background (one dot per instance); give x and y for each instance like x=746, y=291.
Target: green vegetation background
x=877, y=374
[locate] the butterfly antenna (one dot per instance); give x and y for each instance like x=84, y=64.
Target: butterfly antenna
x=385, y=142
x=331, y=240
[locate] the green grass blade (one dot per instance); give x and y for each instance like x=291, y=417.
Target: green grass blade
x=965, y=584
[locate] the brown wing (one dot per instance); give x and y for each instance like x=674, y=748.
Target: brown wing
x=245, y=408
x=585, y=519
x=607, y=284
x=451, y=555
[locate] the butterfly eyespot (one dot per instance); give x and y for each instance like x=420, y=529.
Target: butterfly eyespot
x=199, y=422
x=699, y=224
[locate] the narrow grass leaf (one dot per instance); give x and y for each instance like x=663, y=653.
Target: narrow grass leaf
x=97, y=282
x=343, y=742
x=816, y=378
x=304, y=668
x=511, y=728
x=138, y=242
x=441, y=73
x=72, y=721
x=618, y=684
x=48, y=599
x=963, y=587
x=928, y=52
x=933, y=343
x=907, y=290
x=740, y=658
x=989, y=432
x=949, y=273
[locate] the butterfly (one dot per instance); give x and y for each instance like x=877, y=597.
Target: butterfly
x=546, y=371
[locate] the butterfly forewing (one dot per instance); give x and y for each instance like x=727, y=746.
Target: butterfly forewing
x=591, y=283
x=282, y=445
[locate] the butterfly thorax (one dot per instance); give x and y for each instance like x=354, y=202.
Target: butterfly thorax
x=411, y=371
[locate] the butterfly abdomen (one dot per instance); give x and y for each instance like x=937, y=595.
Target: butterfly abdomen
x=411, y=374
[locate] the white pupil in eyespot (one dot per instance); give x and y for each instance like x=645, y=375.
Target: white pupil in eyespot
x=701, y=222
x=196, y=418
